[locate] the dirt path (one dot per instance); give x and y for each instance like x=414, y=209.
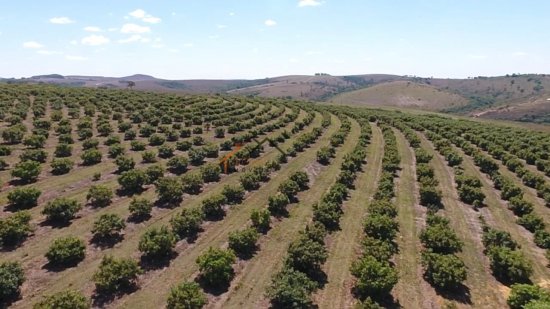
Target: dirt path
x=482, y=290
x=411, y=291
x=344, y=245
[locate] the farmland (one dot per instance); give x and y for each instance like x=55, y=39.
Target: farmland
x=131, y=199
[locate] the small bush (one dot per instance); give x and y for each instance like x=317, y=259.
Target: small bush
x=66, y=251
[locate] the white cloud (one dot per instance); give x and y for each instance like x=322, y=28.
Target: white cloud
x=188, y=45
x=75, y=58
x=148, y=18
x=270, y=22
x=221, y=26
x=304, y=3
x=32, y=44
x=477, y=57
x=61, y=20
x=94, y=40
x=139, y=13
x=92, y=29
x=231, y=14
x=135, y=38
x=48, y=52
x=74, y=42
x=112, y=29
x=133, y=28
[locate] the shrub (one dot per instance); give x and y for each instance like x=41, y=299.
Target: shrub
x=522, y=294
x=187, y=223
x=289, y=188
x=137, y=146
x=531, y=222
x=91, y=157
x=542, y=239
x=430, y=196
x=196, y=156
x=99, y=195
x=374, y=278
x=192, y=183
x=277, y=204
x=27, y=171
x=116, y=275
x=166, y=151
x=108, y=226
x=66, y=251
x=212, y=206
x=157, y=242
x=149, y=156
x=260, y=220
x=440, y=239
x=186, y=295
x=306, y=255
x=210, y=172
x=11, y=278
x=15, y=228
x=61, y=166
x=243, y=242
x=249, y=181
x=381, y=227
x=116, y=150
x=178, y=164
x=24, y=198
x=169, y=190
x=124, y=163
x=154, y=173
x=291, y=289
x=61, y=209
x=234, y=194
x=156, y=139
x=443, y=270
x=216, y=266
x=140, y=208
x=301, y=179
x=68, y=299
x=509, y=265
x=132, y=180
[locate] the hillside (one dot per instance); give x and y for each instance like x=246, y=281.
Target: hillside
x=510, y=97
x=402, y=94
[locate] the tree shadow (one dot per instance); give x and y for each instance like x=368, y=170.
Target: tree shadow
x=56, y=224
x=148, y=263
x=101, y=299
x=106, y=242
x=55, y=268
x=460, y=293
x=20, y=182
x=9, y=300
x=138, y=218
x=164, y=204
x=124, y=192
x=215, y=290
x=13, y=208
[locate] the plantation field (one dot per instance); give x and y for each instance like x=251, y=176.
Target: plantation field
x=129, y=199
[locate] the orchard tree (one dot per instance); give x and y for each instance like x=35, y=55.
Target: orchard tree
x=23, y=198
x=15, y=228
x=91, y=157
x=11, y=279
x=192, y=183
x=522, y=295
x=178, y=164
x=124, y=163
x=140, y=208
x=108, y=226
x=234, y=194
x=306, y=255
x=260, y=220
x=116, y=275
x=27, y=171
x=210, y=172
x=216, y=266
x=212, y=207
x=68, y=299
x=444, y=271
x=99, y=195
x=291, y=289
x=132, y=181
x=187, y=223
x=157, y=242
x=61, y=166
x=169, y=190
x=243, y=242
x=66, y=251
x=186, y=295
x=61, y=209
x=374, y=278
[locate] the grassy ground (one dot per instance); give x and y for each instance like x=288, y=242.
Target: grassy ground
x=411, y=291
x=79, y=277
x=344, y=245
x=249, y=287
x=481, y=289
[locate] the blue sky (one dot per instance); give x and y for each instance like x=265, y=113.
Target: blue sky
x=261, y=38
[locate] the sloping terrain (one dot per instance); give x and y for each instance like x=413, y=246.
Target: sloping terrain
x=402, y=94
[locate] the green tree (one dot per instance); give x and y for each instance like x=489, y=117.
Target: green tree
x=243, y=242
x=140, y=208
x=99, y=195
x=11, y=279
x=91, y=157
x=186, y=295
x=24, y=198
x=523, y=294
x=61, y=209
x=157, y=242
x=169, y=190
x=116, y=275
x=68, y=299
x=443, y=270
x=133, y=180
x=187, y=223
x=66, y=251
x=216, y=266
x=260, y=220
x=374, y=278
x=291, y=289
x=15, y=228
x=61, y=166
x=108, y=226
x=27, y=171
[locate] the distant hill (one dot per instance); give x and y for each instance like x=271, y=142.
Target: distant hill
x=512, y=97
